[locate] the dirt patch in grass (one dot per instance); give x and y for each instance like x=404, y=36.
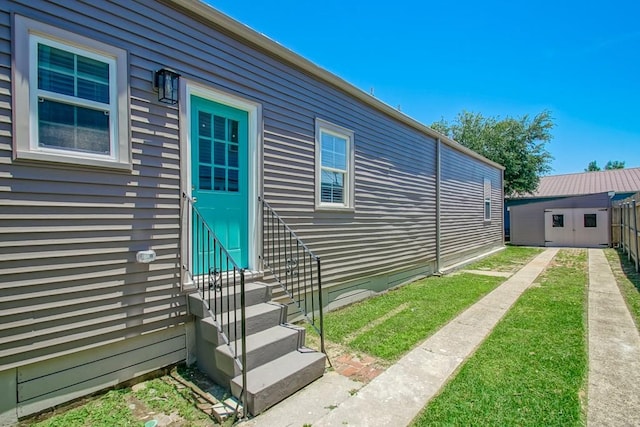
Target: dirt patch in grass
x=163, y=399
x=356, y=365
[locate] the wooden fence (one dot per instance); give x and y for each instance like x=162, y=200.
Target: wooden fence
x=625, y=217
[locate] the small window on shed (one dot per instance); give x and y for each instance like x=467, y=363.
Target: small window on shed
x=590, y=221
x=558, y=221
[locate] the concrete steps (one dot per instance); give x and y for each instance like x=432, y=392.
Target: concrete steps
x=223, y=301
x=272, y=382
x=259, y=317
x=262, y=347
x=278, y=364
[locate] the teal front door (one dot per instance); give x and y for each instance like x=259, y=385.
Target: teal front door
x=219, y=175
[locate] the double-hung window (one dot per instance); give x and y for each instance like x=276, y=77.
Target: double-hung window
x=487, y=199
x=334, y=166
x=72, y=91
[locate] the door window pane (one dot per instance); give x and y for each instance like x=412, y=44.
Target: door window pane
x=220, y=179
x=219, y=127
x=204, y=148
x=219, y=154
x=233, y=180
x=225, y=156
x=233, y=155
x=205, y=177
x=233, y=131
x=558, y=221
x=204, y=124
x=590, y=220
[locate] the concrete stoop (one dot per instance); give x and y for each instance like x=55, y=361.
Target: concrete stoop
x=274, y=381
x=278, y=363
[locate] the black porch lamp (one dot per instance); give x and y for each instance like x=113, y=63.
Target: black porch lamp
x=166, y=81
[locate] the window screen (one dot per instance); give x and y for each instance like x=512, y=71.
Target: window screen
x=590, y=221
x=73, y=101
x=334, y=167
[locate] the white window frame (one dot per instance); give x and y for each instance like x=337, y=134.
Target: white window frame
x=27, y=34
x=486, y=205
x=323, y=126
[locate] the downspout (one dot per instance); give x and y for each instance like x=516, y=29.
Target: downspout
x=503, y=207
x=438, y=180
x=628, y=205
x=635, y=232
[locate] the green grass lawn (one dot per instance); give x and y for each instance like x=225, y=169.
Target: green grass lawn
x=391, y=324
x=109, y=410
x=512, y=258
x=124, y=407
x=385, y=326
x=531, y=371
x=628, y=281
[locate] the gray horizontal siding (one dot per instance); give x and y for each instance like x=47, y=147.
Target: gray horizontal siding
x=73, y=233
x=527, y=220
x=68, y=236
x=463, y=229
x=45, y=384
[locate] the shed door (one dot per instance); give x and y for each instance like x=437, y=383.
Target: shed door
x=580, y=227
x=219, y=175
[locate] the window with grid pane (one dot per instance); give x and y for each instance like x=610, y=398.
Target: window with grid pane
x=334, y=168
x=334, y=163
x=74, y=96
x=219, y=151
x=74, y=106
x=487, y=199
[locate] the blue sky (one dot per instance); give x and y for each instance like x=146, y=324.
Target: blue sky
x=578, y=59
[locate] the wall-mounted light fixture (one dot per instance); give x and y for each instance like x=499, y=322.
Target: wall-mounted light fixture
x=166, y=81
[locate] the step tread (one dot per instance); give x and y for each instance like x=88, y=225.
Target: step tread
x=279, y=369
x=262, y=338
x=251, y=310
x=248, y=287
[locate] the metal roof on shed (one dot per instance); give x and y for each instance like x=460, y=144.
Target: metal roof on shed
x=617, y=180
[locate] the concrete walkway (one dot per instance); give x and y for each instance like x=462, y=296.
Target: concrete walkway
x=614, y=351
x=397, y=395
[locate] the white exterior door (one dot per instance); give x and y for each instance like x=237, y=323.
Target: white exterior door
x=578, y=227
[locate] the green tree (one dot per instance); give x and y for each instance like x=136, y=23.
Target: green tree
x=593, y=167
x=519, y=144
x=616, y=164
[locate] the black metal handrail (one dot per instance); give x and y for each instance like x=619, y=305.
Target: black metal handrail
x=221, y=284
x=294, y=266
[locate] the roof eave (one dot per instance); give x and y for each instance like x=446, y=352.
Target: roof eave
x=248, y=34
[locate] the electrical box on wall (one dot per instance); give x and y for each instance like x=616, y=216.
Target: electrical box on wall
x=146, y=257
